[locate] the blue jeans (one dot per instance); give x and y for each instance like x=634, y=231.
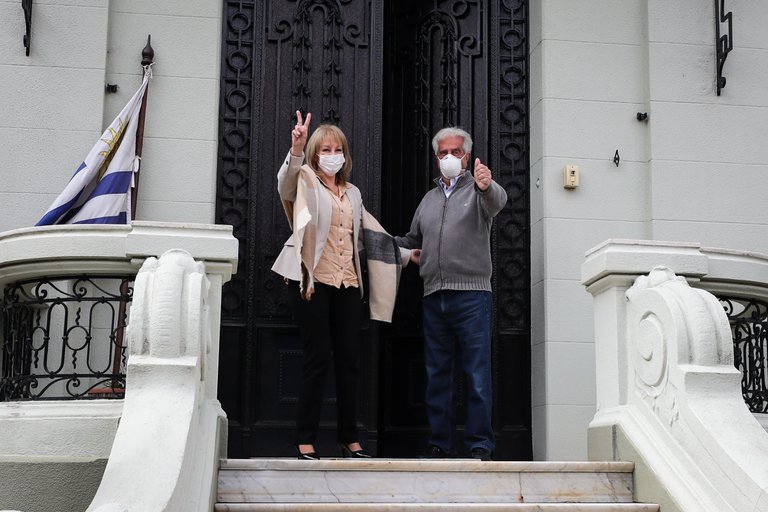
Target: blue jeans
x=455, y=319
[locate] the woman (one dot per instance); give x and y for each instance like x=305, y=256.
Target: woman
x=325, y=212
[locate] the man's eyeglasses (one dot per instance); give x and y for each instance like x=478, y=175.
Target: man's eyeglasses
x=458, y=153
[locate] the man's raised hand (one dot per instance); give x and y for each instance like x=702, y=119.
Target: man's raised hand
x=483, y=176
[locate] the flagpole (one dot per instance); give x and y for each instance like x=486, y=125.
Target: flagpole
x=147, y=57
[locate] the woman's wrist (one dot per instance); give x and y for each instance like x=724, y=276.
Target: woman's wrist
x=297, y=152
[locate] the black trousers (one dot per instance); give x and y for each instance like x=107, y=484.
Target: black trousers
x=329, y=327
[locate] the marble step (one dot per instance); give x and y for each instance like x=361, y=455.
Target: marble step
x=437, y=507
x=415, y=481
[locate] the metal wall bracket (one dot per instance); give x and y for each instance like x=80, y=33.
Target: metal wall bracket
x=148, y=53
x=723, y=43
x=27, y=6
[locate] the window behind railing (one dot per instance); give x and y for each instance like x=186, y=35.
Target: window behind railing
x=64, y=338
x=749, y=319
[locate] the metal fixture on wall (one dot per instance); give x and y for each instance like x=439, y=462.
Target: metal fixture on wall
x=642, y=116
x=616, y=158
x=723, y=43
x=27, y=6
x=148, y=53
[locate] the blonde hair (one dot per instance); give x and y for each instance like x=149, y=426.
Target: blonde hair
x=315, y=143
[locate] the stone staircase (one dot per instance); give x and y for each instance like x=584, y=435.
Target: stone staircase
x=426, y=485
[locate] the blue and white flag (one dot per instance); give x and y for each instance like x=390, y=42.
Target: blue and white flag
x=100, y=190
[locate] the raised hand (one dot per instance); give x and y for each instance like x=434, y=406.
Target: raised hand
x=483, y=176
x=299, y=134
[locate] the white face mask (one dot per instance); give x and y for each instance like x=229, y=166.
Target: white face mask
x=331, y=164
x=450, y=166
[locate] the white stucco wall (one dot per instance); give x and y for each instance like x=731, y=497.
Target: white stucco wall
x=691, y=172
x=708, y=149
x=53, y=107
x=178, y=179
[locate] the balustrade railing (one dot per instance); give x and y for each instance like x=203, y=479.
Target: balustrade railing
x=749, y=319
x=63, y=337
x=666, y=391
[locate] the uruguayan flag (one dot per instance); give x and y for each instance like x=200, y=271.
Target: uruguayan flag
x=100, y=190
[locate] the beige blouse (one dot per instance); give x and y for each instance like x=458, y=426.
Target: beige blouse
x=336, y=265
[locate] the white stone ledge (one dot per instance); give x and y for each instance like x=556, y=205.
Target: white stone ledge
x=64, y=431
x=718, y=270
x=742, y=266
x=61, y=409
x=41, y=459
x=436, y=507
x=447, y=465
x=104, y=249
x=636, y=257
x=207, y=242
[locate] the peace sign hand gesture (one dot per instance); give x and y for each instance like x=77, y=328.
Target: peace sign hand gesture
x=299, y=134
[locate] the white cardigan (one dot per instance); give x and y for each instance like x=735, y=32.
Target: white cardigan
x=320, y=208
x=309, y=212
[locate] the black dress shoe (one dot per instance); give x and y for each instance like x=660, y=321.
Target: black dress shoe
x=308, y=455
x=480, y=453
x=435, y=452
x=357, y=454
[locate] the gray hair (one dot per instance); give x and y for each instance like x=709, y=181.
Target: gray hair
x=451, y=131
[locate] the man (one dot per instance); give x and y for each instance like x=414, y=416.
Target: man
x=452, y=228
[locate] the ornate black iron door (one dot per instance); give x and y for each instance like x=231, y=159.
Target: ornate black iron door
x=327, y=57
x=457, y=62
x=319, y=56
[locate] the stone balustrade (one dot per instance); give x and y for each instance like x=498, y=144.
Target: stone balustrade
x=669, y=398
x=158, y=448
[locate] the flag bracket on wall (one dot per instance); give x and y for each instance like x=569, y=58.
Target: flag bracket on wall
x=723, y=42
x=27, y=6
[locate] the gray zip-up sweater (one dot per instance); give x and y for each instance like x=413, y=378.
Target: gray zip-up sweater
x=454, y=235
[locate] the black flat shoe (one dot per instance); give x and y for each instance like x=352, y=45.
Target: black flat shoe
x=357, y=454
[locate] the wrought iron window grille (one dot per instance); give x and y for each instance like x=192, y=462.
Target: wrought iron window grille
x=749, y=324
x=64, y=338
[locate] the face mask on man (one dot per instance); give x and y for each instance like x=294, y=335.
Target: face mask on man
x=331, y=164
x=450, y=166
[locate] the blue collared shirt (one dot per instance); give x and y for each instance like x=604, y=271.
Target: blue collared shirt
x=447, y=189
